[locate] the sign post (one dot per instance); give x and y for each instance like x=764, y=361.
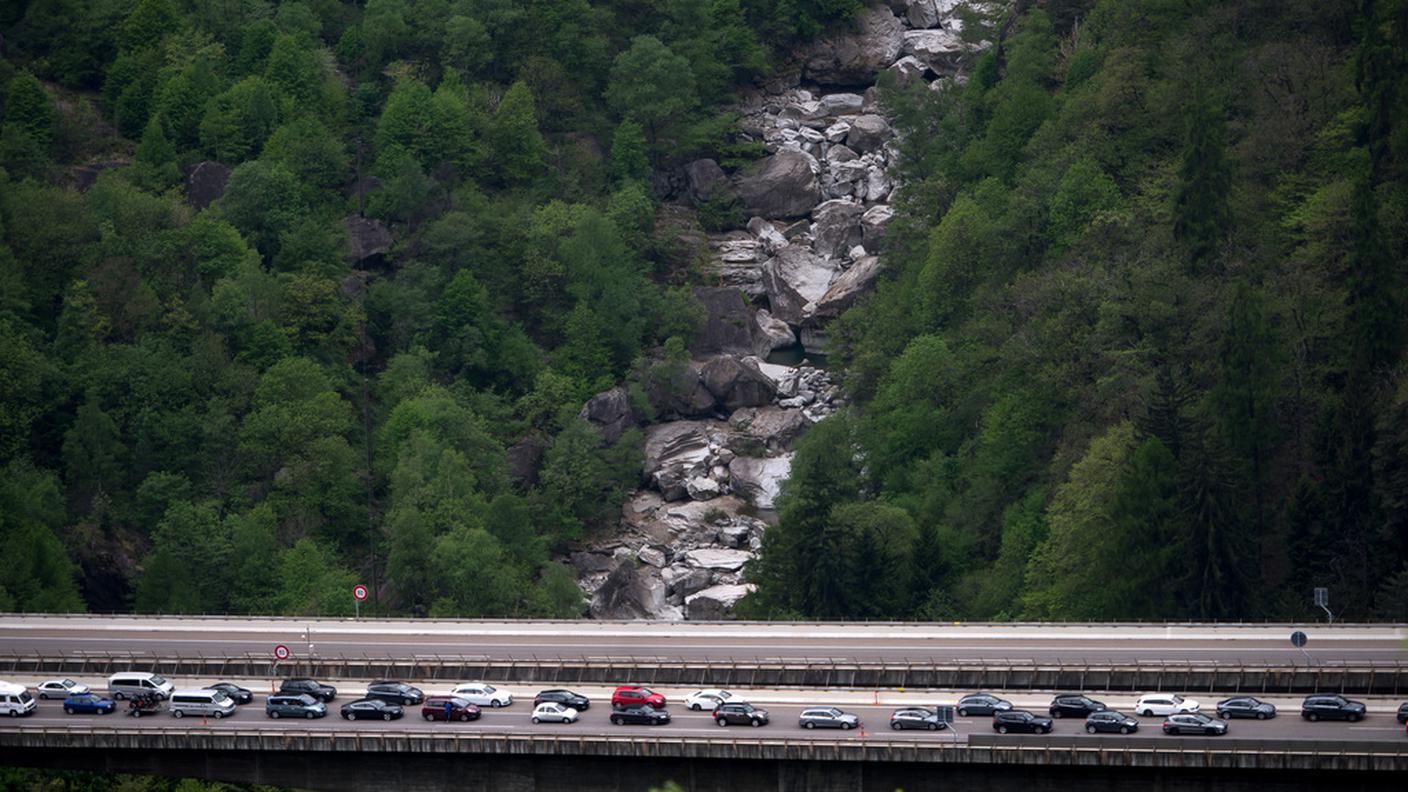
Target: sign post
x=1322, y=598
x=280, y=655
x=1298, y=640
x=945, y=714
x=359, y=593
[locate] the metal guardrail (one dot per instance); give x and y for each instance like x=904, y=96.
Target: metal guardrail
x=979, y=748
x=1385, y=678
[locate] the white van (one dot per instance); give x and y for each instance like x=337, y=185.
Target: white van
x=131, y=683
x=15, y=700
x=214, y=703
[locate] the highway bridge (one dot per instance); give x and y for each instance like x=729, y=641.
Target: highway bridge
x=861, y=662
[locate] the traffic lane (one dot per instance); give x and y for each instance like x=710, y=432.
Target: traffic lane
x=784, y=724
x=932, y=650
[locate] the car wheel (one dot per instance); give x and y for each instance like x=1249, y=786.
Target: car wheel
x=1089, y=729
x=933, y=727
x=1124, y=730
x=496, y=703
x=1312, y=717
x=895, y=725
x=219, y=715
x=386, y=716
x=179, y=714
x=722, y=721
x=1354, y=718
x=1057, y=714
x=464, y=717
x=756, y=723
x=1043, y=730
x=963, y=712
x=275, y=715
x=1001, y=729
x=1147, y=713
x=119, y=696
x=809, y=725
x=615, y=720
x=847, y=726
x=345, y=716
x=425, y=716
x=1261, y=716
x=695, y=707
x=68, y=710
x=535, y=720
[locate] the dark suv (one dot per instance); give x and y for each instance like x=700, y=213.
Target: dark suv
x=1020, y=721
x=315, y=689
x=395, y=692
x=1075, y=705
x=564, y=697
x=741, y=713
x=1316, y=708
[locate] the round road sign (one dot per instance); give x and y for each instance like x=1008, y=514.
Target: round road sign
x=280, y=652
x=359, y=592
x=1298, y=639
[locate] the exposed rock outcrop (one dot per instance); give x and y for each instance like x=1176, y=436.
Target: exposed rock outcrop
x=366, y=238
x=205, y=183
x=854, y=58
x=782, y=185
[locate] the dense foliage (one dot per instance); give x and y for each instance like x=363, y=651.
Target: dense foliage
x=1140, y=349
x=213, y=410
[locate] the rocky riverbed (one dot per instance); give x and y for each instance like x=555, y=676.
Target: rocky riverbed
x=818, y=205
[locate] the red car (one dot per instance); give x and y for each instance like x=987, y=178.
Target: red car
x=459, y=709
x=631, y=695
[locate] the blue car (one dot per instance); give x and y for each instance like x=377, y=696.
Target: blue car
x=89, y=702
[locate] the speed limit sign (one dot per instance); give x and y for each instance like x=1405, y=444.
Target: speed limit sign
x=280, y=652
x=359, y=592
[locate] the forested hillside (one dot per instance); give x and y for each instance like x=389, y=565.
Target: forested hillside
x=363, y=360
x=1138, y=352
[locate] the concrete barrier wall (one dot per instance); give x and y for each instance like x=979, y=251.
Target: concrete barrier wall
x=322, y=759
x=1386, y=679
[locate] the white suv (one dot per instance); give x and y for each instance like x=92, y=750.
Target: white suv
x=483, y=695
x=1164, y=704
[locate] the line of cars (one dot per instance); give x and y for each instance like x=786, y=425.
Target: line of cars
x=301, y=697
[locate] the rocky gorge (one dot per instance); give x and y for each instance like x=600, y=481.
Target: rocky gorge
x=726, y=420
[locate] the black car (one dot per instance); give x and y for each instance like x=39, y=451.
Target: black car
x=1316, y=708
x=1020, y=721
x=1075, y=705
x=1194, y=723
x=640, y=713
x=370, y=708
x=1110, y=721
x=311, y=687
x=564, y=697
x=1403, y=712
x=915, y=718
x=1245, y=707
x=236, y=693
x=982, y=704
x=395, y=692
x=740, y=712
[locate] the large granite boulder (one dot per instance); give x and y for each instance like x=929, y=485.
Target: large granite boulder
x=770, y=427
x=728, y=322
x=795, y=278
x=759, y=478
x=676, y=391
x=837, y=227
x=716, y=602
x=718, y=559
x=611, y=412
x=872, y=225
x=783, y=185
x=630, y=592
x=736, y=383
x=847, y=287
x=942, y=50
x=854, y=57
x=706, y=179
x=770, y=333
x=673, y=452
x=525, y=459
x=867, y=133
x=205, y=183
x=366, y=238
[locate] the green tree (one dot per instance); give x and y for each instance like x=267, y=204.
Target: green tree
x=94, y=455
x=651, y=84
x=310, y=151
x=517, y=148
x=1085, y=190
x=630, y=155
x=149, y=22
x=1201, y=210
x=155, y=166
x=239, y=120
x=264, y=201
x=313, y=582
x=29, y=110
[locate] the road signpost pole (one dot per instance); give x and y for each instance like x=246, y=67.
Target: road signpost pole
x=359, y=593
x=1298, y=640
x=1322, y=598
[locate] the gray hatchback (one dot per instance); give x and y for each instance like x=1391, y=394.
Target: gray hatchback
x=294, y=705
x=827, y=718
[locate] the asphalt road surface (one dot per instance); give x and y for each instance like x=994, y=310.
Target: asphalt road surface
x=1378, y=726
x=1049, y=644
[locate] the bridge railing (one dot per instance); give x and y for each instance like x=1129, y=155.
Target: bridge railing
x=1362, y=678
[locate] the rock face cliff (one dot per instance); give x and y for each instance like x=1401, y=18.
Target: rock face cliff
x=817, y=204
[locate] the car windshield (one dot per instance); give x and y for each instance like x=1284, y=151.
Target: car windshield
x=68, y=683
x=220, y=697
x=1177, y=699
x=158, y=681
